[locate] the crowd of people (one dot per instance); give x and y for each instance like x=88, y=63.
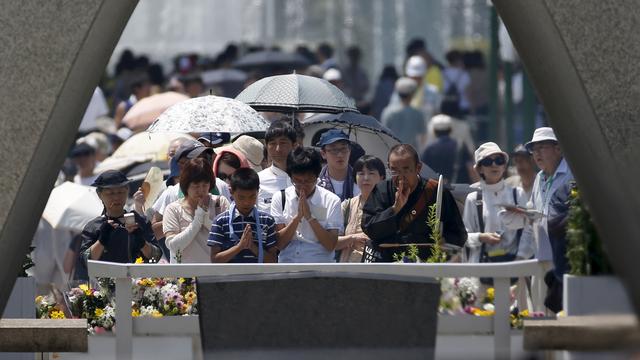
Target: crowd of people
x=270, y=199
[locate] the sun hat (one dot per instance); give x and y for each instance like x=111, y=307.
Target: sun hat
x=416, y=66
x=250, y=147
x=441, y=122
x=540, y=135
x=111, y=179
x=487, y=149
x=332, y=75
x=406, y=86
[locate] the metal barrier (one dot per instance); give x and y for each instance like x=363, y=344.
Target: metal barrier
x=498, y=325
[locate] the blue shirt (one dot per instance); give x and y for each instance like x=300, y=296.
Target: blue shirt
x=221, y=236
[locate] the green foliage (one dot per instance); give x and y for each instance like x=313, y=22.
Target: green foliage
x=437, y=254
x=584, y=248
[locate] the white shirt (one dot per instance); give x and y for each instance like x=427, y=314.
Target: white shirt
x=272, y=180
x=543, y=189
x=193, y=246
x=496, y=219
x=172, y=193
x=305, y=246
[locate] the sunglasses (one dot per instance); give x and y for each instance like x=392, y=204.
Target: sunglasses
x=500, y=160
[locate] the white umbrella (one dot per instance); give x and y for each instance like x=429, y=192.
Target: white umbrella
x=140, y=148
x=71, y=206
x=208, y=114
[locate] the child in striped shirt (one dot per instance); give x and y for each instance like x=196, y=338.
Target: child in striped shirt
x=243, y=234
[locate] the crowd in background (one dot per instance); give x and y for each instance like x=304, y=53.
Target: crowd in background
x=269, y=199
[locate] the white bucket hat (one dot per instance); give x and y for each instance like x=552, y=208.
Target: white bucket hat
x=541, y=134
x=250, y=147
x=416, y=66
x=487, y=149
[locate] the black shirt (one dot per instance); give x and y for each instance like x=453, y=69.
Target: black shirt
x=121, y=246
x=382, y=225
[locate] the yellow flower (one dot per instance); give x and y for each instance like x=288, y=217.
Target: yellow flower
x=39, y=299
x=190, y=296
x=181, y=280
x=146, y=282
x=139, y=260
x=85, y=288
x=135, y=313
x=574, y=193
x=524, y=313
x=99, y=312
x=480, y=312
x=491, y=294
x=56, y=314
x=156, y=314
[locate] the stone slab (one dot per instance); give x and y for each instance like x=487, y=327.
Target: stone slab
x=52, y=55
x=43, y=335
x=581, y=58
x=582, y=333
x=317, y=314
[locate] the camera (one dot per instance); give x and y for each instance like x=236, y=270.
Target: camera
x=129, y=219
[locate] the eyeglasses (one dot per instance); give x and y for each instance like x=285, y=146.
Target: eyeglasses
x=500, y=160
x=338, y=151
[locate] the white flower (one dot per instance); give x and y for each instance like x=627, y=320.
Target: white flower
x=488, y=307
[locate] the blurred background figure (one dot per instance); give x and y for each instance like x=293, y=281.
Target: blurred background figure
x=355, y=79
x=405, y=121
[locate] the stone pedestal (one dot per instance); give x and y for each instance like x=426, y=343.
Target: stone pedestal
x=313, y=315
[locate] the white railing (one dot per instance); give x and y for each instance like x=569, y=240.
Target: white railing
x=498, y=325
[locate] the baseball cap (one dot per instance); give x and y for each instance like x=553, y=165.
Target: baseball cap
x=331, y=136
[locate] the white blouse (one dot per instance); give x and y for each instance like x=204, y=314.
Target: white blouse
x=496, y=219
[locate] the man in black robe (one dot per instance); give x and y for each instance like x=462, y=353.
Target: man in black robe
x=396, y=211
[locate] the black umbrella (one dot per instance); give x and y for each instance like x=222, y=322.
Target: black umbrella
x=375, y=138
x=270, y=59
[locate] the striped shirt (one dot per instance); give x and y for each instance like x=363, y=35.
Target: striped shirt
x=222, y=237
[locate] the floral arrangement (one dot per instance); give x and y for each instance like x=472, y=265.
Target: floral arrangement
x=155, y=297
x=48, y=308
x=461, y=296
x=159, y=297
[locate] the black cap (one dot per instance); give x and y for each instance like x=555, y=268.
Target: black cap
x=191, y=149
x=82, y=149
x=520, y=150
x=111, y=179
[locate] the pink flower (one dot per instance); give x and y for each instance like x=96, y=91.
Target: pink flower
x=99, y=330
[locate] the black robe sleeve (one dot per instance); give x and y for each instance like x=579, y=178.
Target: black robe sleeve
x=379, y=221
